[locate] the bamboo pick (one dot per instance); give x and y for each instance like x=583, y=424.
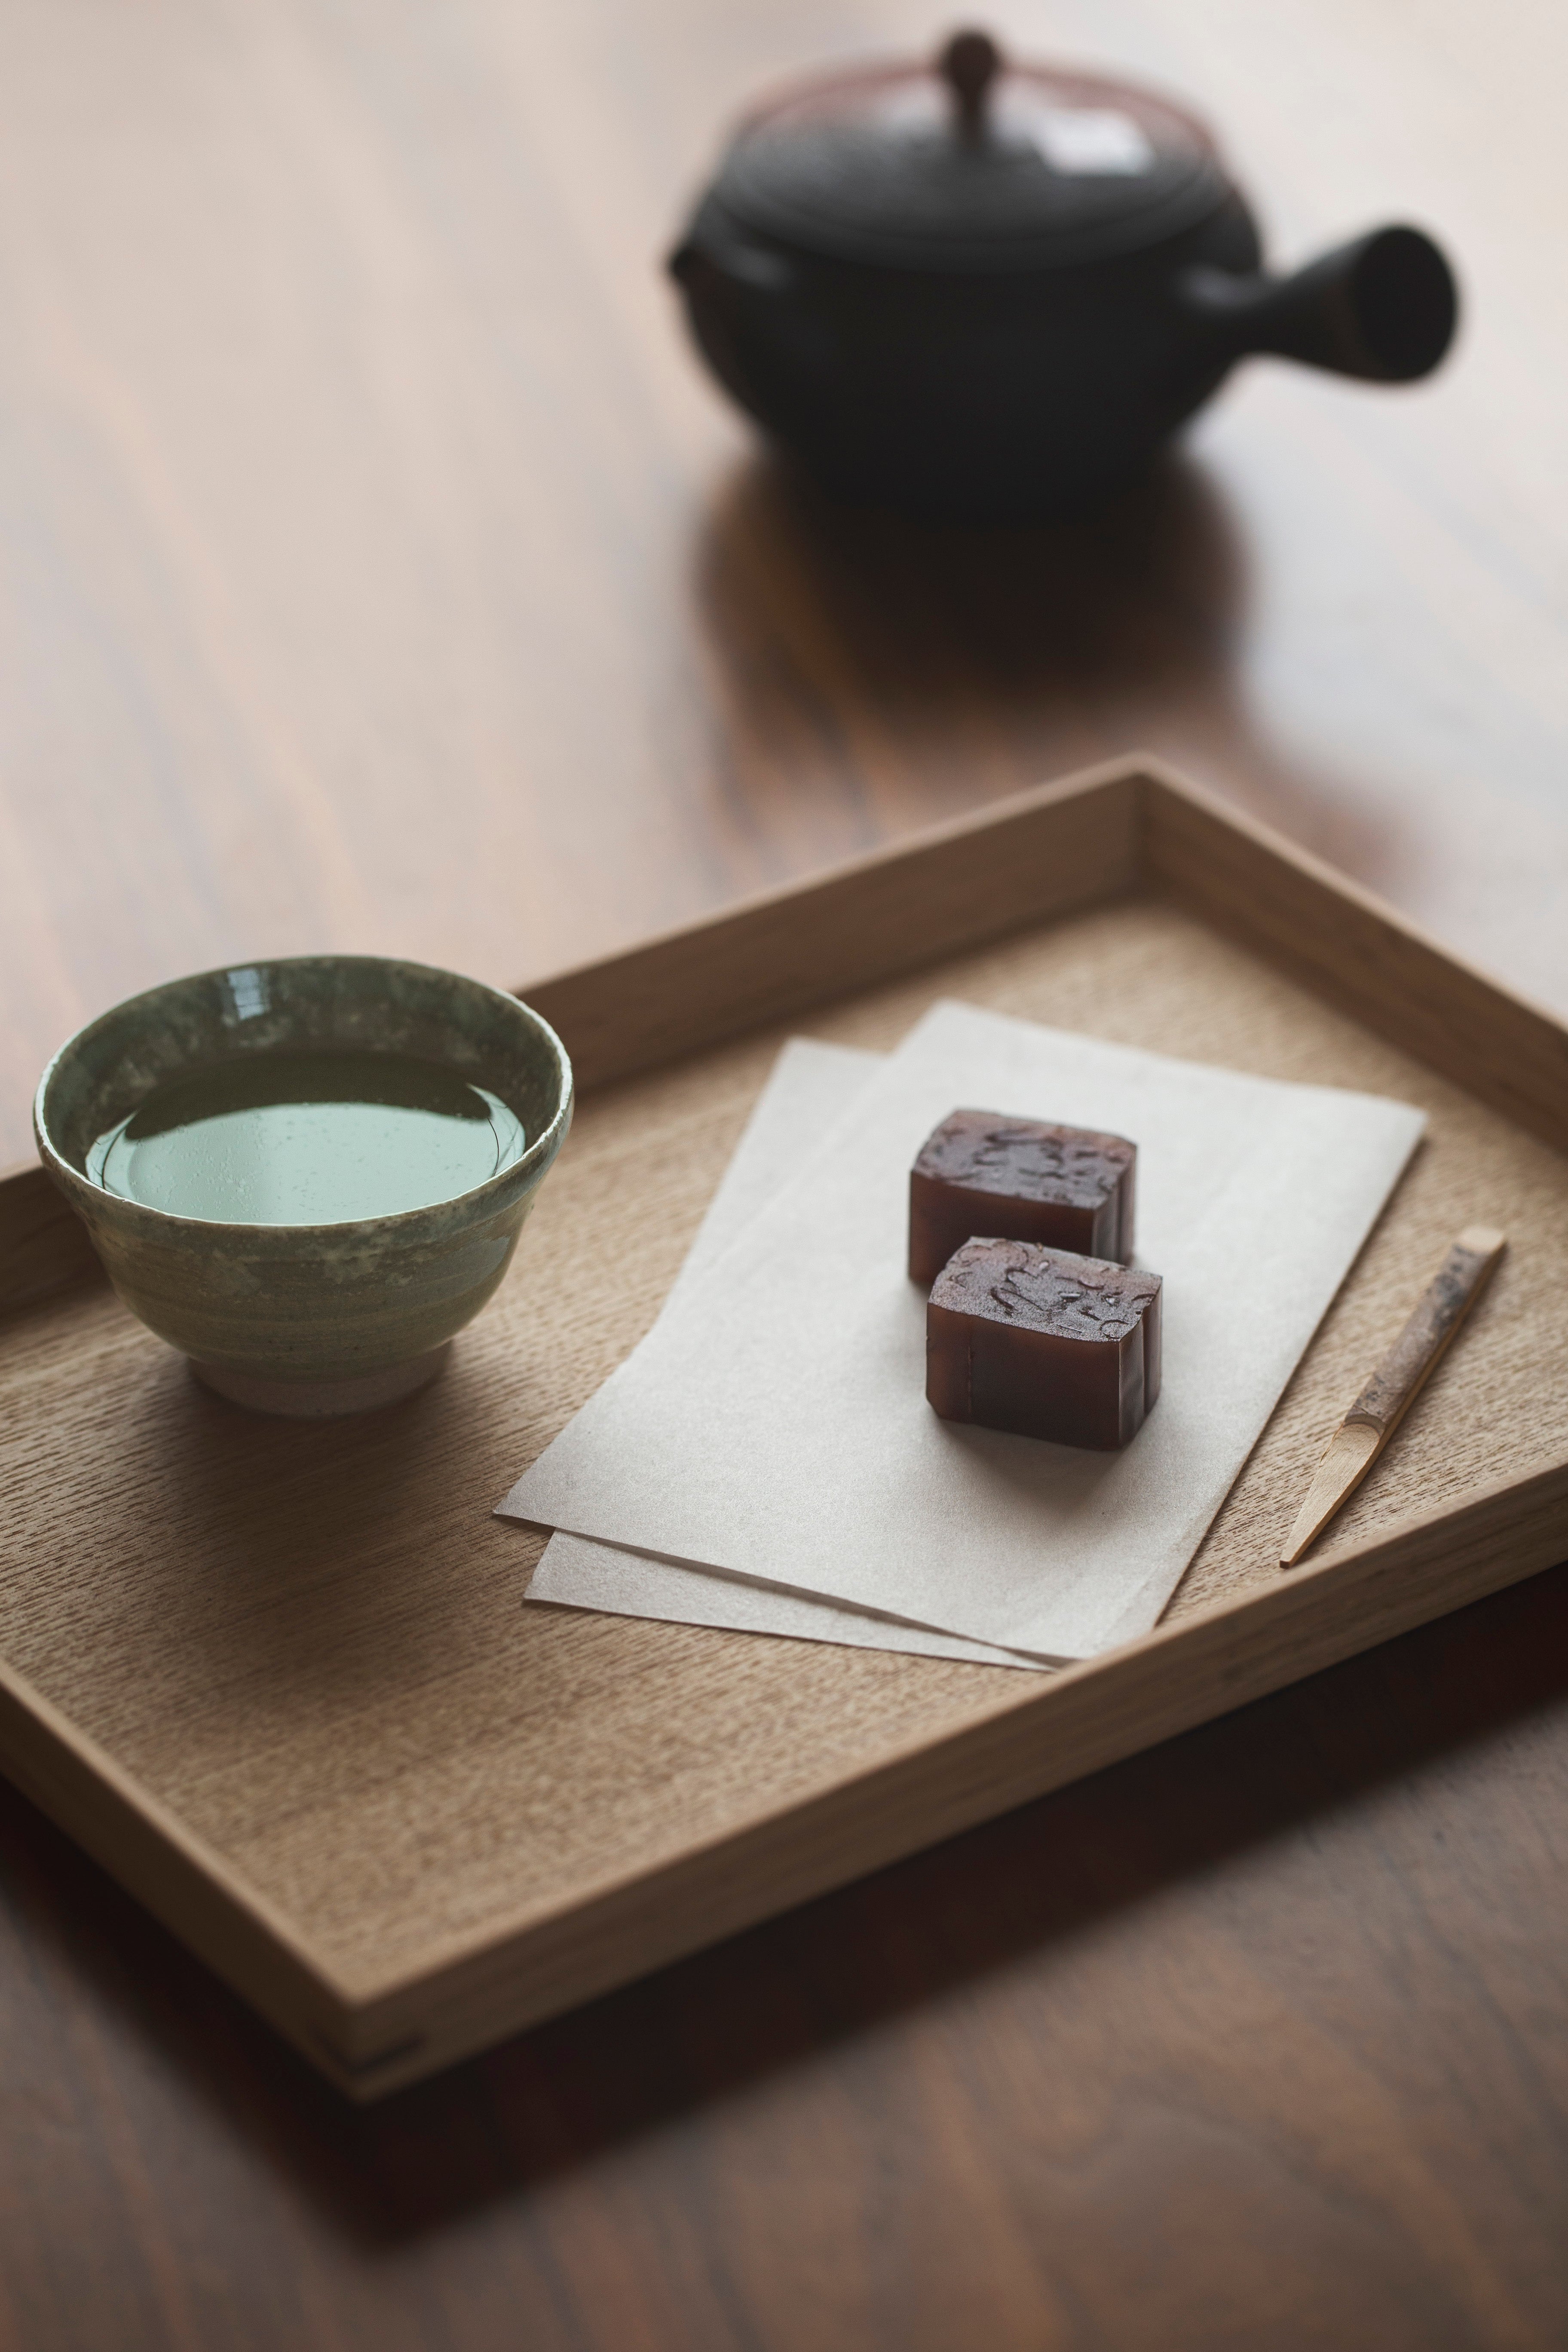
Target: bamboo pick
x=1396, y=1383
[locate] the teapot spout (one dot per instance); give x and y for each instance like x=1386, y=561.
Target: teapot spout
x=1383, y=308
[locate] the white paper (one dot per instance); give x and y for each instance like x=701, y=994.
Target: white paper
x=775, y=1425
x=576, y=1574
x=810, y=1087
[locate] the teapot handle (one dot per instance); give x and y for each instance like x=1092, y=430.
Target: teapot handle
x=1383, y=308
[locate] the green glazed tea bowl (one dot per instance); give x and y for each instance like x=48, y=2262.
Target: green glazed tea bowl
x=308, y=1320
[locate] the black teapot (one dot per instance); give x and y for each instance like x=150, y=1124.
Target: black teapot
x=989, y=290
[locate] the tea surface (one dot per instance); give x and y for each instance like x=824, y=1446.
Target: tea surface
x=307, y=1138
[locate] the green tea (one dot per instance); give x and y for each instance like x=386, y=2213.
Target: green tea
x=307, y=1138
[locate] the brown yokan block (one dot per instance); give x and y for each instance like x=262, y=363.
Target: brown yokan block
x=1018, y=1179
x=1044, y=1343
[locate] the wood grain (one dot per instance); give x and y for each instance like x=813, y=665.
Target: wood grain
x=1350, y=948
x=1248, y=2035
x=781, y=955
x=43, y=1242
x=378, y=571
x=382, y=573
x=292, y=1609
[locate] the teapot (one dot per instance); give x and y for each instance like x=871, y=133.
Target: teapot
x=987, y=290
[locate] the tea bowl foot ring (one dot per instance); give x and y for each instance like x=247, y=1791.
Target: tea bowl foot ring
x=324, y=1399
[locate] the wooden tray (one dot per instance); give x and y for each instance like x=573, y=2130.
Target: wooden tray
x=278, y=1678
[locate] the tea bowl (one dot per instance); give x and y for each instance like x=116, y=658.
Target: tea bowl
x=306, y=1320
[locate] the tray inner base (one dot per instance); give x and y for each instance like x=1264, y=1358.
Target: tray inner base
x=308, y=1642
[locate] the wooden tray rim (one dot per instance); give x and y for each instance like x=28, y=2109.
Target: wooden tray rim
x=1109, y=830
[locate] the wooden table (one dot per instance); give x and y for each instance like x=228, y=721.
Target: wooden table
x=378, y=571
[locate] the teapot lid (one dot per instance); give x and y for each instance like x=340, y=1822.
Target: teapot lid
x=970, y=163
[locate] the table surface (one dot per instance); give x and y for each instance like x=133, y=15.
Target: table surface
x=379, y=571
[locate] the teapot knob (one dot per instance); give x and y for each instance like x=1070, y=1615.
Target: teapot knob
x=969, y=64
